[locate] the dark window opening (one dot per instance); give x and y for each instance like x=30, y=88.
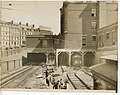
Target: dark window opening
x=84, y=41
x=107, y=36
x=94, y=38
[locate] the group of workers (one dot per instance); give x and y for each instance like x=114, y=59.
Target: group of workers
x=56, y=84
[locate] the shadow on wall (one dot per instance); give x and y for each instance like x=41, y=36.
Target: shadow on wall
x=24, y=61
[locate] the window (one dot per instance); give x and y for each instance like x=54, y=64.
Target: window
x=94, y=38
x=23, y=42
x=93, y=24
x=14, y=43
x=113, y=38
x=107, y=36
x=93, y=12
x=57, y=41
x=44, y=43
x=84, y=40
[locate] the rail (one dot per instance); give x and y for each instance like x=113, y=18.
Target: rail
x=76, y=82
x=9, y=78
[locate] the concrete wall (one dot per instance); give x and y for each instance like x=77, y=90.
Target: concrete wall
x=112, y=13
x=20, y=63
x=11, y=65
x=16, y=64
x=4, y=67
x=36, y=42
x=7, y=66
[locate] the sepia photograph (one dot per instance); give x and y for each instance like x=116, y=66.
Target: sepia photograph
x=69, y=46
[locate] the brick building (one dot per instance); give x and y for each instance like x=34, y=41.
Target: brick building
x=90, y=35
x=79, y=24
x=105, y=72
x=42, y=48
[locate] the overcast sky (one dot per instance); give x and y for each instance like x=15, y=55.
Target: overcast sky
x=33, y=12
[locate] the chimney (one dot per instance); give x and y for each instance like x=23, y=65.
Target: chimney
x=33, y=25
x=12, y=22
x=26, y=24
x=19, y=23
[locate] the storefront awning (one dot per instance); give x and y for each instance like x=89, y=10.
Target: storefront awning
x=108, y=70
x=110, y=57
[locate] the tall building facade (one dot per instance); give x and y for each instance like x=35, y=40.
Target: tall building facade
x=25, y=29
x=80, y=25
x=105, y=71
x=92, y=27
x=9, y=35
x=80, y=22
x=13, y=37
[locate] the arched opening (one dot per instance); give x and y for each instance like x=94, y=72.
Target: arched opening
x=63, y=59
x=76, y=59
x=36, y=58
x=51, y=58
x=89, y=59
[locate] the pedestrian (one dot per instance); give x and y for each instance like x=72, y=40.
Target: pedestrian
x=60, y=84
x=47, y=81
x=65, y=86
x=53, y=81
x=46, y=73
x=56, y=85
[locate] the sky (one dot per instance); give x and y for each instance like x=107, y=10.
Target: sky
x=46, y=13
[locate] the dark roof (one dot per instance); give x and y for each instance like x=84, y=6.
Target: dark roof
x=108, y=70
x=110, y=57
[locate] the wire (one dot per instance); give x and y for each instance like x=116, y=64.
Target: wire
x=34, y=13
x=31, y=3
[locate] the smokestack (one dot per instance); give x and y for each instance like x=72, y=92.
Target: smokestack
x=26, y=24
x=33, y=25
x=19, y=23
x=12, y=22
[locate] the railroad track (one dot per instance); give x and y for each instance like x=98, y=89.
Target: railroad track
x=76, y=82
x=7, y=79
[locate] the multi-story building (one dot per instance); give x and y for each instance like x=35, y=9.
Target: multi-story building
x=13, y=37
x=43, y=30
x=92, y=28
x=79, y=24
x=9, y=35
x=105, y=72
x=41, y=49
x=25, y=29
